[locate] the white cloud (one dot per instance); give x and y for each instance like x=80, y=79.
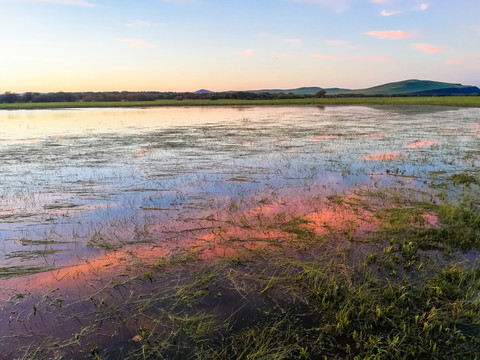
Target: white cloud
x=392, y=34
x=390, y=13
x=405, y=6
x=424, y=7
x=248, y=52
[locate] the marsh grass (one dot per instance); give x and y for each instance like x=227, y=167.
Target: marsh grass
x=14, y=271
x=394, y=301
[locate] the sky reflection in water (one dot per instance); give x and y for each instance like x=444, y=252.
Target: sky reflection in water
x=72, y=178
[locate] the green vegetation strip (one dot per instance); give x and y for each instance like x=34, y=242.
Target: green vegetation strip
x=461, y=101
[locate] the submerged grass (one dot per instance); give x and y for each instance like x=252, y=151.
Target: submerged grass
x=313, y=291
x=15, y=271
x=405, y=297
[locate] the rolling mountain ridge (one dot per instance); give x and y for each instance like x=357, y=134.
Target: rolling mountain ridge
x=406, y=87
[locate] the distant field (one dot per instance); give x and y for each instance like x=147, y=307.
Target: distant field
x=464, y=101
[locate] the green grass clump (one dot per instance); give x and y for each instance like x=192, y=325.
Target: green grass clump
x=465, y=178
x=357, y=315
x=460, y=229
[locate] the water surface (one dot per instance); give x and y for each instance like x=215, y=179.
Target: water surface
x=75, y=183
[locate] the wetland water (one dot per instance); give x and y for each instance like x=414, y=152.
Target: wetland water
x=73, y=182
x=89, y=188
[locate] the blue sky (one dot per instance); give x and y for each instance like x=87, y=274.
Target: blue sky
x=185, y=45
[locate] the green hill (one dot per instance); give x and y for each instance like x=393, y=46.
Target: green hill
x=406, y=87
x=413, y=87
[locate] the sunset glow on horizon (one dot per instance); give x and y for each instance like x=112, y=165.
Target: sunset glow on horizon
x=186, y=45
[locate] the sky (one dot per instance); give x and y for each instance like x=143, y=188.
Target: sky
x=220, y=45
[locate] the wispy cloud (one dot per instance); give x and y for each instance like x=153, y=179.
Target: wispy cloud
x=142, y=23
x=454, y=62
x=335, y=5
x=276, y=55
x=428, y=48
x=393, y=34
x=139, y=43
x=248, y=52
x=422, y=7
x=390, y=13
x=364, y=58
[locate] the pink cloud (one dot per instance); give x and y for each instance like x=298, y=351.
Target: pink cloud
x=365, y=58
x=394, y=34
x=454, y=62
x=276, y=55
x=390, y=13
x=428, y=48
x=248, y=52
x=424, y=7
x=140, y=43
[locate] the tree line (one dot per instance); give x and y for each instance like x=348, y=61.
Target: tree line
x=34, y=97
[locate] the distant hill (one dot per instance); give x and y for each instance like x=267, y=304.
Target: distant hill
x=417, y=87
x=299, y=91
x=406, y=87
x=203, y=91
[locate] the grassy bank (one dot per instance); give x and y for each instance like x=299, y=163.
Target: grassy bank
x=463, y=101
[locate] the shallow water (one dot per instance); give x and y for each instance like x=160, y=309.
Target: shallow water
x=76, y=182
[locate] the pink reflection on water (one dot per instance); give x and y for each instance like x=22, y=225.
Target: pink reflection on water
x=383, y=157
x=431, y=219
x=85, y=275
